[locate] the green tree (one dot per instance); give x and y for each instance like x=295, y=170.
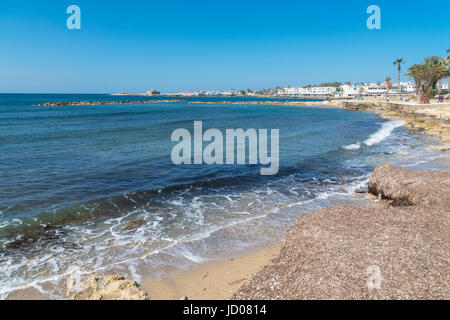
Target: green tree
x=399, y=63
x=427, y=75
x=388, y=85
x=448, y=62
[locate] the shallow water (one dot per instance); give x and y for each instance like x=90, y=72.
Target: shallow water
x=93, y=189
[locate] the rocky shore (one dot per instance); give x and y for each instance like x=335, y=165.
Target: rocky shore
x=432, y=119
x=397, y=251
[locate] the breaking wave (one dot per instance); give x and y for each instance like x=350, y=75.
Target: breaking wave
x=384, y=132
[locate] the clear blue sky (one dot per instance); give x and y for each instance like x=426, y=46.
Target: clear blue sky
x=175, y=45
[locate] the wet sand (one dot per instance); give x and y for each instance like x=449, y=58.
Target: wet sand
x=212, y=280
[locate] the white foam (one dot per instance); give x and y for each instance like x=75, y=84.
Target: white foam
x=354, y=146
x=385, y=131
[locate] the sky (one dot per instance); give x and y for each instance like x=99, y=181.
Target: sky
x=186, y=45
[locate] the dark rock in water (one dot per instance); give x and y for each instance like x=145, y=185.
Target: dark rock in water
x=36, y=239
x=134, y=224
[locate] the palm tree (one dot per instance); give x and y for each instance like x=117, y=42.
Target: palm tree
x=399, y=63
x=448, y=62
x=427, y=75
x=415, y=73
x=388, y=85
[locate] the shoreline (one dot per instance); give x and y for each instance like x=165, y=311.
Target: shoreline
x=433, y=122
x=217, y=283
x=396, y=251
x=214, y=280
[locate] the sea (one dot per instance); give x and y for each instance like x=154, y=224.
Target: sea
x=93, y=190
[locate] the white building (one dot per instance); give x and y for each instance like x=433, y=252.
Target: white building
x=309, y=91
x=377, y=89
x=365, y=89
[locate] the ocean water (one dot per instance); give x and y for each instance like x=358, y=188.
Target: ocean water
x=92, y=189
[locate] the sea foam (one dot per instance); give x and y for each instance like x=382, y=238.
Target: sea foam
x=384, y=132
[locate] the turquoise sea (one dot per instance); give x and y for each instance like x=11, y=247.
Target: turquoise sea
x=92, y=189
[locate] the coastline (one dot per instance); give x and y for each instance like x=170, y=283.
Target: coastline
x=217, y=280
x=191, y=283
x=399, y=251
x=432, y=119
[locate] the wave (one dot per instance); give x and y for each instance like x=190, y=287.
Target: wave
x=385, y=131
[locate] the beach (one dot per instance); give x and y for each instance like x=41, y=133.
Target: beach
x=397, y=252
x=328, y=254
x=174, y=241
x=212, y=281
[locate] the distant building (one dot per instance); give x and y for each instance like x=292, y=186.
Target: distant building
x=153, y=92
x=309, y=91
x=377, y=89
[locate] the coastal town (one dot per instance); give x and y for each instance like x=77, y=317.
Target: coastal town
x=233, y=157
x=325, y=90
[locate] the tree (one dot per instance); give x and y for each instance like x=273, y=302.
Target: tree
x=361, y=91
x=399, y=63
x=388, y=85
x=427, y=75
x=448, y=62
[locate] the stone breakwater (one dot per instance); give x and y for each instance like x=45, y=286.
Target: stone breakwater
x=97, y=103
x=398, y=250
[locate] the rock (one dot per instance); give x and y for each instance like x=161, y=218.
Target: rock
x=134, y=224
x=111, y=287
x=444, y=147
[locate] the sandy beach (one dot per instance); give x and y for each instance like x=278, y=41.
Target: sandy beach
x=213, y=280
x=327, y=254
x=336, y=252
